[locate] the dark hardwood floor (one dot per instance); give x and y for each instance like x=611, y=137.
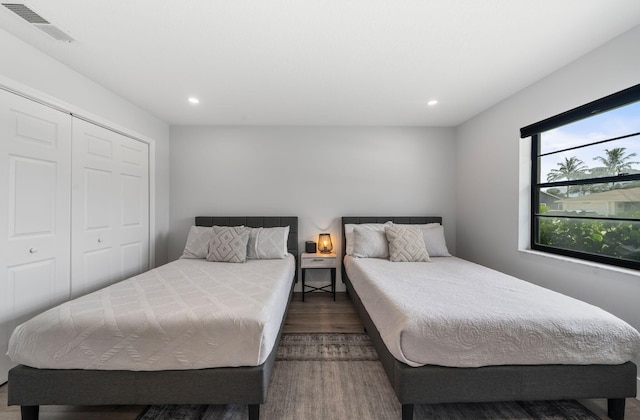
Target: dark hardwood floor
x=319, y=313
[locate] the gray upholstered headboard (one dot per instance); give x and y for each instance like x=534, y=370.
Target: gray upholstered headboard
x=405, y=220
x=257, y=221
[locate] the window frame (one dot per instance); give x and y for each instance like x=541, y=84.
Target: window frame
x=615, y=100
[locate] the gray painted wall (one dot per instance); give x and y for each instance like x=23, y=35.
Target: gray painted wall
x=317, y=174
x=493, y=161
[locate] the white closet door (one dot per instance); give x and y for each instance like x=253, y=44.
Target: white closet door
x=35, y=180
x=110, y=207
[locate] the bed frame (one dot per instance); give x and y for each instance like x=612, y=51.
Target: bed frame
x=30, y=387
x=432, y=384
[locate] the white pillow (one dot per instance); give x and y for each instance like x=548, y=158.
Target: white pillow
x=348, y=233
x=433, y=237
x=428, y=225
x=369, y=243
x=268, y=243
x=197, y=245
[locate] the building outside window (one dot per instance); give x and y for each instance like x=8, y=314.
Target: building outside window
x=585, y=181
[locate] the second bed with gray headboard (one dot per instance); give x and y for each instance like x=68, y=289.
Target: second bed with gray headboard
x=426, y=292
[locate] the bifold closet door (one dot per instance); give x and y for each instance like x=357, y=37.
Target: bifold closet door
x=35, y=186
x=110, y=207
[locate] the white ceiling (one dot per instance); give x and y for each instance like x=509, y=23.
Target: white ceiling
x=321, y=62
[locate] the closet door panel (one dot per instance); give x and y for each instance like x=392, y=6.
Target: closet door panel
x=32, y=194
x=97, y=271
x=134, y=183
x=95, y=262
x=133, y=228
x=31, y=285
x=110, y=207
x=98, y=199
x=35, y=179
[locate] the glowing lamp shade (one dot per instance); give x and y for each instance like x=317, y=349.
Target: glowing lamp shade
x=324, y=243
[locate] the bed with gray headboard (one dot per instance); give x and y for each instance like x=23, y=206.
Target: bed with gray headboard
x=432, y=384
x=31, y=387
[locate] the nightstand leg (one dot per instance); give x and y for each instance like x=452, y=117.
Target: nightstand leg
x=333, y=283
x=303, y=275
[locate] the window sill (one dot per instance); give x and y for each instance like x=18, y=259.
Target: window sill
x=585, y=263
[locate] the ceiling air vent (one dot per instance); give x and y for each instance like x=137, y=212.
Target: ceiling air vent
x=38, y=21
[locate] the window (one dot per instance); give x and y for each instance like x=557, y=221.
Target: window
x=585, y=181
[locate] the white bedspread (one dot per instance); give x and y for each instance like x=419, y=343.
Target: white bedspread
x=452, y=312
x=188, y=314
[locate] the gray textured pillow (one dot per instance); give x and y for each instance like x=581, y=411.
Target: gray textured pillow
x=229, y=244
x=197, y=245
x=268, y=243
x=368, y=243
x=406, y=244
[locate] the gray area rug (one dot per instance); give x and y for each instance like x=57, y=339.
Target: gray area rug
x=338, y=377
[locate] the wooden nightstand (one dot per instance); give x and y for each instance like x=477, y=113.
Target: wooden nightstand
x=317, y=261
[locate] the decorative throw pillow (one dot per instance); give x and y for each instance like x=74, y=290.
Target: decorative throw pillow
x=434, y=241
x=197, y=245
x=348, y=232
x=268, y=243
x=406, y=244
x=229, y=244
x=369, y=243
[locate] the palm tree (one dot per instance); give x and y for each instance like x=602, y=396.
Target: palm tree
x=616, y=162
x=572, y=168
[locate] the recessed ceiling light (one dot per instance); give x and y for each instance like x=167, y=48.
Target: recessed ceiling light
x=193, y=100
x=432, y=102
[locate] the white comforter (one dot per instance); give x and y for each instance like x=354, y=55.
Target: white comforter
x=188, y=314
x=452, y=312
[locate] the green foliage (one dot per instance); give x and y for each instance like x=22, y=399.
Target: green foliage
x=618, y=239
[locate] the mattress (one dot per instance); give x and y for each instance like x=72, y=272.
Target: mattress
x=188, y=314
x=455, y=313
